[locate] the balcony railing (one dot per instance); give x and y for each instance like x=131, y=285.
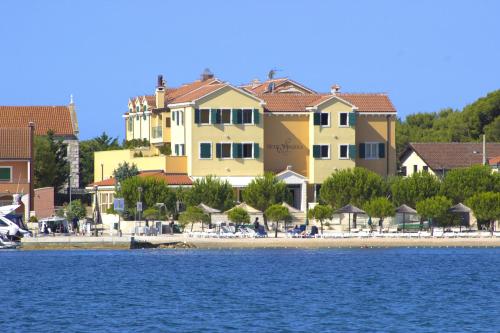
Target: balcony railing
x=157, y=132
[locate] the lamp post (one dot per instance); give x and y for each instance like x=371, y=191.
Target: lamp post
x=139, y=189
x=118, y=188
x=96, y=210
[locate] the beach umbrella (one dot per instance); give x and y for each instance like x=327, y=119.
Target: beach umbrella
x=404, y=209
x=461, y=209
x=207, y=210
x=249, y=209
x=349, y=209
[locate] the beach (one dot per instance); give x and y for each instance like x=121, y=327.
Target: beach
x=282, y=242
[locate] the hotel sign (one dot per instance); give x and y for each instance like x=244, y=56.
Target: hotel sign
x=286, y=146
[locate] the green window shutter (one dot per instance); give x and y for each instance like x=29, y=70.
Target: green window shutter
x=4, y=173
x=237, y=150
x=361, y=150
x=173, y=115
x=218, y=117
x=256, y=150
x=177, y=149
x=316, y=151
x=317, y=119
x=213, y=116
x=240, y=116
x=381, y=150
x=352, y=119
x=205, y=151
x=197, y=116
x=218, y=150
x=352, y=152
x=256, y=116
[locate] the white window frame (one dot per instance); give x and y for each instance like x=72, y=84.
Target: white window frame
x=347, y=119
x=347, y=157
x=230, y=150
x=209, y=116
x=329, y=151
x=253, y=150
x=376, y=150
x=329, y=121
x=242, y=116
x=199, y=150
x=10, y=168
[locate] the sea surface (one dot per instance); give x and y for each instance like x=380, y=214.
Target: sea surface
x=363, y=290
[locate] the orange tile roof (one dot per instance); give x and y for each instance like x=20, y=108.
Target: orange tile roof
x=15, y=143
x=56, y=118
x=169, y=178
x=369, y=102
x=288, y=102
x=198, y=93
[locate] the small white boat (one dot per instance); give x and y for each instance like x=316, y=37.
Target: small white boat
x=9, y=229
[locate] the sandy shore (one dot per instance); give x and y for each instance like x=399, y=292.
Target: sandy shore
x=72, y=242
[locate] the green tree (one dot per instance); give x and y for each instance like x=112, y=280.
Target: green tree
x=437, y=209
x=320, y=213
x=154, y=191
x=211, y=191
x=51, y=166
x=152, y=213
x=277, y=213
x=238, y=215
x=461, y=184
x=193, y=215
x=380, y=207
x=418, y=186
x=352, y=186
x=265, y=191
x=75, y=209
x=87, y=150
x=486, y=207
x=124, y=171
x=135, y=143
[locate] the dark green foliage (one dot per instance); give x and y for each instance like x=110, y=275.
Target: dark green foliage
x=87, y=149
x=320, y=213
x=51, y=166
x=352, y=186
x=193, y=215
x=265, y=191
x=461, y=184
x=153, y=191
x=211, y=191
x=75, y=209
x=165, y=149
x=410, y=190
x=238, y=215
x=486, y=206
x=480, y=117
x=125, y=171
x=437, y=209
x=135, y=143
x=277, y=213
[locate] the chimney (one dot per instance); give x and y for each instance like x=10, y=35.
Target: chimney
x=335, y=89
x=255, y=83
x=160, y=92
x=207, y=75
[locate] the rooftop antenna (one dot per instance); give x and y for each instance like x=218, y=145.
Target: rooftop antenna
x=271, y=74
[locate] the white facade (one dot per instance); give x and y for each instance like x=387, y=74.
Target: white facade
x=414, y=163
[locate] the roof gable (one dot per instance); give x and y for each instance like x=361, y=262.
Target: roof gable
x=15, y=143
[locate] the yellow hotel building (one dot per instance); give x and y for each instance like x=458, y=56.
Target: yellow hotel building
x=239, y=132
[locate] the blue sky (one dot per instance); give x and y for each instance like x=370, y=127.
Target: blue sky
x=427, y=55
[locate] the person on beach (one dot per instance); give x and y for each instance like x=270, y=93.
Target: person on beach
x=76, y=228
x=256, y=224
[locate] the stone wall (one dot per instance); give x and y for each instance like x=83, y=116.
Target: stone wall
x=73, y=156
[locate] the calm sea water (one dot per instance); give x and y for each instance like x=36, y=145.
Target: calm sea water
x=390, y=290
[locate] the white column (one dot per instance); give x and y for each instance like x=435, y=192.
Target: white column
x=303, y=196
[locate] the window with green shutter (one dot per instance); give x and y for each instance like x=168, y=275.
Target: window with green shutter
x=5, y=174
x=352, y=152
x=352, y=119
x=316, y=151
x=218, y=150
x=381, y=150
x=237, y=116
x=361, y=150
x=205, y=150
x=215, y=116
x=197, y=116
x=256, y=116
x=237, y=150
x=256, y=151
x=317, y=119
x=176, y=149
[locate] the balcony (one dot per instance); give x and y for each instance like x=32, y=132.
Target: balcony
x=156, y=134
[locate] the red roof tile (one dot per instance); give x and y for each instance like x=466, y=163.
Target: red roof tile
x=261, y=87
x=198, y=93
x=369, y=102
x=288, y=102
x=56, y=118
x=15, y=143
x=440, y=155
